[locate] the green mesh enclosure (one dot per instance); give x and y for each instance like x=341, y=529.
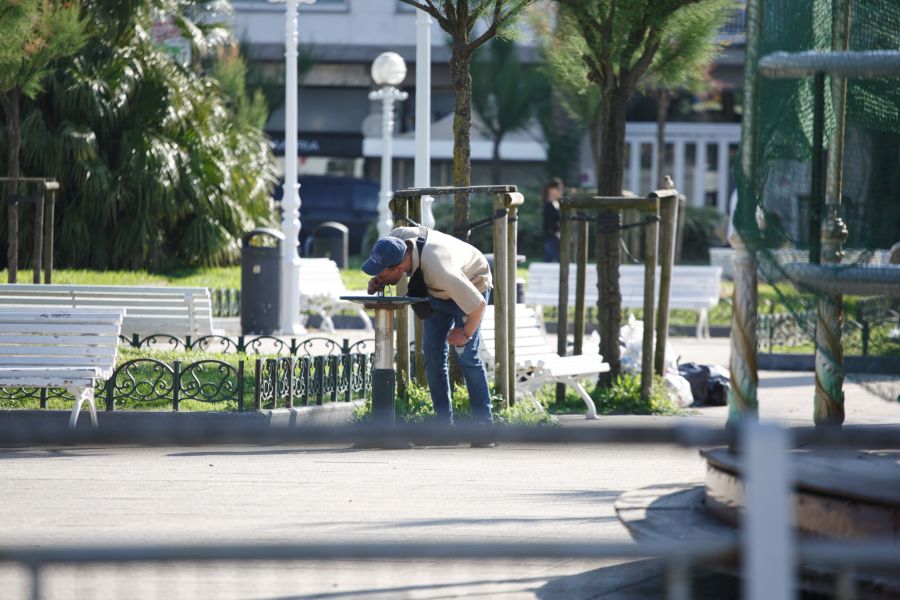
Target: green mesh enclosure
x=777, y=190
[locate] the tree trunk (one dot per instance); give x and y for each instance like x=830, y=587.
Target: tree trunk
x=10, y=102
x=610, y=175
x=462, y=121
x=496, y=169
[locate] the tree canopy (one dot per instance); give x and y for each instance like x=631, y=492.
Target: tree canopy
x=505, y=94
x=160, y=163
x=616, y=45
x=459, y=18
x=33, y=34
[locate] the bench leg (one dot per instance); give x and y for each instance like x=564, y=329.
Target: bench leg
x=588, y=401
x=82, y=395
x=327, y=324
x=703, y=324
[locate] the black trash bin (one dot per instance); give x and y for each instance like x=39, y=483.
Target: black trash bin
x=332, y=240
x=261, y=281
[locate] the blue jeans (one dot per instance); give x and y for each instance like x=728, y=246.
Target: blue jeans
x=551, y=250
x=446, y=315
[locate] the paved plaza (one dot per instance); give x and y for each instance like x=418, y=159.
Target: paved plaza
x=76, y=495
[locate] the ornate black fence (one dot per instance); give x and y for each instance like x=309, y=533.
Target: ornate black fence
x=281, y=382
x=864, y=328
x=262, y=344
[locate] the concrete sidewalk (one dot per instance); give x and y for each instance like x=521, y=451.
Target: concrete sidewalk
x=514, y=493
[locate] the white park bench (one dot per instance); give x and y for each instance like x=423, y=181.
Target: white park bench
x=537, y=364
x=59, y=348
x=170, y=310
x=693, y=288
x=321, y=288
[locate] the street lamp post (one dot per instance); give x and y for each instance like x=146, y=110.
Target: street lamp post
x=290, y=202
x=423, y=113
x=388, y=71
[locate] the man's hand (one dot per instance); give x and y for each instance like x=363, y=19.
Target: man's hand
x=457, y=337
x=375, y=285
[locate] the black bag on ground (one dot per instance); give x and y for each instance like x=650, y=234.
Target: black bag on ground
x=698, y=377
x=717, y=386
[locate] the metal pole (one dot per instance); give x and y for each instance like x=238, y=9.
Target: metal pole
x=290, y=203
x=423, y=113
x=388, y=94
x=414, y=206
x=383, y=376
x=385, y=222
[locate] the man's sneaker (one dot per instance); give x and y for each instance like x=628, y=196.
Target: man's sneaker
x=484, y=444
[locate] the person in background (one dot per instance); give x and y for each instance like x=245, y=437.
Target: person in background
x=551, y=194
x=456, y=279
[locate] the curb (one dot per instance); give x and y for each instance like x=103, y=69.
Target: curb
x=327, y=414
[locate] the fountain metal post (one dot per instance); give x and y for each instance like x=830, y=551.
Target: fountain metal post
x=384, y=376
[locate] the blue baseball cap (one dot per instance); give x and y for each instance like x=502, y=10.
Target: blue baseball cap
x=387, y=252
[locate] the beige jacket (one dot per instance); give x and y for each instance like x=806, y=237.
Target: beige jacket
x=453, y=269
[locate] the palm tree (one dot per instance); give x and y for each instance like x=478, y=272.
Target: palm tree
x=33, y=34
x=158, y=164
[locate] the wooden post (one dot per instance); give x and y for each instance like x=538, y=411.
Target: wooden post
x=511, y=201
x=37, y=242
x=400, y=207
x=669, y=210
x=581, y=252
x=501, y=303
x=415, y=212
x=562, y=319
x=650, y=243
x=49, y=209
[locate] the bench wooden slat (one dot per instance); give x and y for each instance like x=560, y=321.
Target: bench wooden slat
x=693, y=287
x=84, y=349
x=104, y=340
x=150, y=309
x=69, y=349
x=100, y=328
x=60, y=316
x=59, y=361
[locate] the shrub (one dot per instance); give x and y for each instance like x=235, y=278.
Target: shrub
x=624, y=397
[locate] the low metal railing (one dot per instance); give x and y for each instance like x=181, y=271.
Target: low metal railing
x=281, y=382
x=259, y=344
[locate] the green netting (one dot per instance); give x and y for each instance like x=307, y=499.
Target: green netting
x=774, y=175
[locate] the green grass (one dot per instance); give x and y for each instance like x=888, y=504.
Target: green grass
x=211, y=277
